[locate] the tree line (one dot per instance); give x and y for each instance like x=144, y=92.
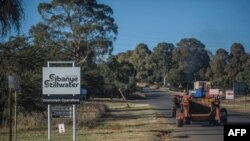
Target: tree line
x=179, y=66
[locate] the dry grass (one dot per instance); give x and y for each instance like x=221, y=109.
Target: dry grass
x=139, y=122
x=90, y=113
x=240, y=104
x=33, y=126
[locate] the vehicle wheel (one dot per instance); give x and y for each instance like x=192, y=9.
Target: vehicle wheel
x=173, y=110
x=223, y=116
x=188, y=121
x=179, y=122
x=212, y=119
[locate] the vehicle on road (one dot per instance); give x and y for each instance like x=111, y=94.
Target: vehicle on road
x=200, y=107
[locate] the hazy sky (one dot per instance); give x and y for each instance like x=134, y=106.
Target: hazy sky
x=216, y=23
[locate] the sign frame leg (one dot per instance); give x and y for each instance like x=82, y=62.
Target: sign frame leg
x=49, y=124
x=74, y=122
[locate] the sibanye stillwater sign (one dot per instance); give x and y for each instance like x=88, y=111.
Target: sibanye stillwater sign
x=61, y=80
x=61, y=85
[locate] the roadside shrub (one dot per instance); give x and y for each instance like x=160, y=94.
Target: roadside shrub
x=90, y=113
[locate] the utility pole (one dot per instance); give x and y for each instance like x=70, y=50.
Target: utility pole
x=13, y=84
x=15, y=137
x=10, y=114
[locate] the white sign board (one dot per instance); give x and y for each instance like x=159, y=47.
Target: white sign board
x=61, y=128
x=229, y=94
x=214, y=91
x=61, y=80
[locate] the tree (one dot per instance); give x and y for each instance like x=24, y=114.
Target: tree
x=93, y=81
x=237, y=50
x=191, y=61
x=244, y=76
x=216, y=71
x=238, y=58
x=118, y=76
x=125, y=56
x=11, y=13
x=140, y=60
x=81, y=30
x=161, y=61
x=18, y=57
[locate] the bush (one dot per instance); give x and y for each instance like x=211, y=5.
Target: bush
x=90, y=113
x=87, y=115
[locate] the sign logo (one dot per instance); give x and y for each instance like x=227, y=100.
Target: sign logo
x=57, y=81
x=61, y=80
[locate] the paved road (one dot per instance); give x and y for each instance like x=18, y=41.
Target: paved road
x=196, y=131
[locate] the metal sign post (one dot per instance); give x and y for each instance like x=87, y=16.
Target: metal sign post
x=10, y=115
x=49, y=124
x=74, y=117
x=15, y=137
x=49, y=116
x=74, y=122
x=61, y=85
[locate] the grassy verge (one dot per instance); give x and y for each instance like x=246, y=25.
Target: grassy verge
x=139, y=122
x=239, y=104
x=33, y=127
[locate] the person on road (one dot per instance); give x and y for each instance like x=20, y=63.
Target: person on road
x=185, y=92
x=185, y=95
